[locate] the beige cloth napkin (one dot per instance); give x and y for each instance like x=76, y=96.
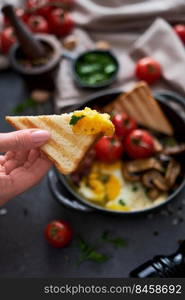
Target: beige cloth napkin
x=161, y=42
x=123, y=15
x=111, y=22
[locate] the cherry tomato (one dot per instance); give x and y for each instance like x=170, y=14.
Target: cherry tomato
x=39, y=7
x=7, y=39
x=109, y=149
x=139, y=144
x=61, y=22
x=180, y=31
x=38, y=24
x=123, y=124
x=148, y=69
x=21, y=14
x=58, y=233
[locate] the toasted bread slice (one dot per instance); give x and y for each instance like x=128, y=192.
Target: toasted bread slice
x=65, y=148
x=141, y=106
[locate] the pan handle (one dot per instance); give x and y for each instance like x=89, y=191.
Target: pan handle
x=68, y=55
x=169, y=96
x=55, y=187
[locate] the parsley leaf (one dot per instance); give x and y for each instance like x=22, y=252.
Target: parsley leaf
x=98, y=257
x=117, y=241
x=75, y=119
x=121, y=202
x=22, y=106
x=170, y=142
x=89, y=252
x=104, y=178
x=134, y=188
x=83, y=245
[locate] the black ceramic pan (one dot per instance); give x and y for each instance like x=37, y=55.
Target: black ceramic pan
x=172, y=104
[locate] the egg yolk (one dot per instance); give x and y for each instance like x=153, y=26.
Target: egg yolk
x=112, y=187
x=90, y=121
x=105, y=186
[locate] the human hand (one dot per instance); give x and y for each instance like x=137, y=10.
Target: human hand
x=23, y=165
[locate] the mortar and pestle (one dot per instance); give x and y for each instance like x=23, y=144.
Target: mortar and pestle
x=36, y=56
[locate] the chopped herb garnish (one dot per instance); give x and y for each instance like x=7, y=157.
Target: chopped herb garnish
x=146, y=189
x=97, y=256
x=105, y=235
x=104, y=178
x=121, y=202
x=75, y=119
x=134, y=188
x=95, y=68
x=169, y=141
x=117, y=241
x=22, y=106
x=89, y=252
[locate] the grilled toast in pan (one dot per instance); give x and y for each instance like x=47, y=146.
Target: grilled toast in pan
x=141, y=106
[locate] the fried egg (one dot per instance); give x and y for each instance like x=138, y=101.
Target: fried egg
x=105, y=186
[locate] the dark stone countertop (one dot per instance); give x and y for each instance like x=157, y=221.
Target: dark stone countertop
x=24, y=251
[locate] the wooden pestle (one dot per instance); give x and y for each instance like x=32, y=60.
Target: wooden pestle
x=30, y=46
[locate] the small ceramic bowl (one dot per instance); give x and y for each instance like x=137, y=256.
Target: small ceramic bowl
x=41, y=76
x=82, y=83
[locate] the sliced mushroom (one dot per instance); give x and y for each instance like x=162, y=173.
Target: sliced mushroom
x=147, y=179
x=160, y=183
x=157, y=145
x=173, y=150
x=153, y=193
x=128, y=176
x=164, y=158
x=141, y=165
x=172, y=172
x=153, y=179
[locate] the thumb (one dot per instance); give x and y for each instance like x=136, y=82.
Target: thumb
x=23, y=139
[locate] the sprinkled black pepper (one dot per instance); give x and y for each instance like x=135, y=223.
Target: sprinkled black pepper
x=156, y=233
x=181, y=219
x=25, y=212
x=179, y=207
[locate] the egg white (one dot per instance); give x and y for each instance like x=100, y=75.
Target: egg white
x=132, y=194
